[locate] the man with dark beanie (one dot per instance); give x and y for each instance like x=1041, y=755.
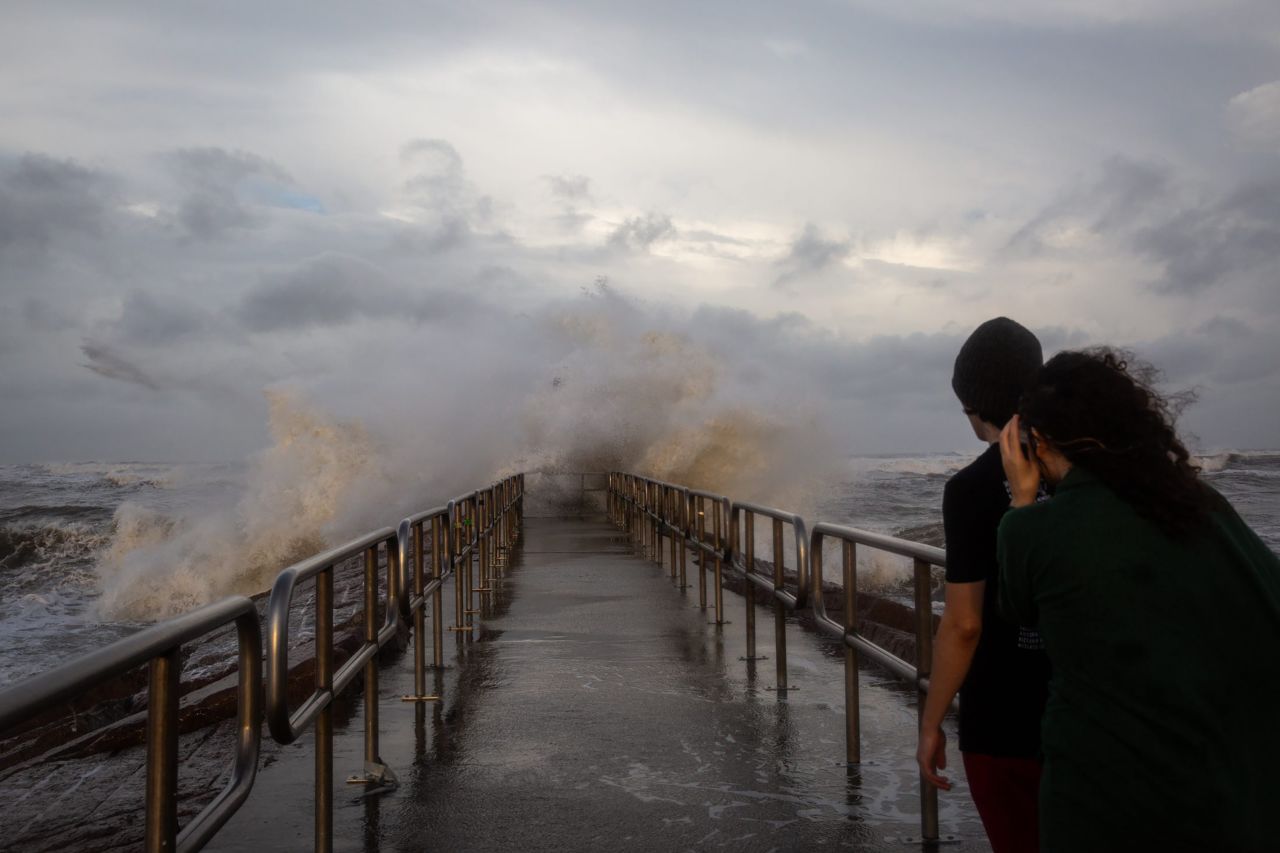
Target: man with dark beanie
x=1000, y=670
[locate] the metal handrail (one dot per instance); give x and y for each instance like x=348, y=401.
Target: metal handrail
x=924, y=558
x=286, y=726
x=159, y=647
x=493, y=519
x=743, y=561
x=448, y=552
x=631, y=505
x=409, y=544
x=775, y=584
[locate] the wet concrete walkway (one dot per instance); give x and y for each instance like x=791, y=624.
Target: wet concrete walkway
x=599, y=710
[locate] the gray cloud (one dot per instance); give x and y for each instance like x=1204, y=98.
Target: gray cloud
x=106, y=362
x=1201, y=247
x=211, y=178
x=438, y=175
x=328, y=290
x=571, y=191
x=1198, y=241
x=154, y=320
x=810, y=252
x=42, y=197
x=639, y=233
x=570, y=187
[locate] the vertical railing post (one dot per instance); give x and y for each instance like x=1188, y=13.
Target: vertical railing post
x=684, y=536
x=924, y=664
x=719, y=568
x=852, y=706
x=749, y=558
x=702, y=555
x=162, y=753
x=419, y=615
x=324, y=720
x=482, y=544
x=469, y=531
x=459, y=574
x=672, y=512
x=437, y=602
x=779, y=612
x=371, y=666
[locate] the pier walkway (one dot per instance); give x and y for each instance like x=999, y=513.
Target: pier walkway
x=599, y=707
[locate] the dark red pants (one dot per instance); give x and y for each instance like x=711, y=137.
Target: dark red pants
x=1007, y=794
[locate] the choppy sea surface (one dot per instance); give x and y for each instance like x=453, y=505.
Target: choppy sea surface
x=63, y=526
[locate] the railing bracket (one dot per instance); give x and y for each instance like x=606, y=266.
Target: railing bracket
x=419, y=698
x=379, y=777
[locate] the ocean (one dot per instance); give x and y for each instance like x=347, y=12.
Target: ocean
x=90, y=552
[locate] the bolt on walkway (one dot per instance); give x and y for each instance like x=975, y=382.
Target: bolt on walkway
x=598, y=708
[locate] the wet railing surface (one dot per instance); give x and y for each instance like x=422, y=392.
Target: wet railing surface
x=468, y=541
x=651, y=509
x=481, y=527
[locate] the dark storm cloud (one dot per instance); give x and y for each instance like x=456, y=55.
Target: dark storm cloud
x=329, y=290
x=1121, y=196
x=155, y=320
x=1198, y=241
x=1200, y=247
x=211, y=179
x=106, y=362
x=871, y=372
x=639, y=233
x=42, y=197
x=1223, y=351
x=810, y=252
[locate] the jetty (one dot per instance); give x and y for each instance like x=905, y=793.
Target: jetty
x=552, y=662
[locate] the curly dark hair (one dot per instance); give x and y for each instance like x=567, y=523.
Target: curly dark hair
x=1098, y=407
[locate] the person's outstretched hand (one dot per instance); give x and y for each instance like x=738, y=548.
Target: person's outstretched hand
x=1021, y=470
x=931, y=755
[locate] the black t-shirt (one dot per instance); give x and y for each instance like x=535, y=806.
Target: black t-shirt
x=1003, y=696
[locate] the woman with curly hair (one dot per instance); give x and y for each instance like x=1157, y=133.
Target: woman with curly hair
x=1160, y=612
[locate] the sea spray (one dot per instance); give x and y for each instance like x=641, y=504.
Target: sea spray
x=599, y=384
x=298, y=491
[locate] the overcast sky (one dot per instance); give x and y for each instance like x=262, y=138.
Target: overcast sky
x=389, y=210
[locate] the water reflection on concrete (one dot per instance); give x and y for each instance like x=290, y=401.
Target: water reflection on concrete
x=598, y=709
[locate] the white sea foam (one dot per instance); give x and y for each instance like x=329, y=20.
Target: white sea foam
x=158, y=565
x=617, y=396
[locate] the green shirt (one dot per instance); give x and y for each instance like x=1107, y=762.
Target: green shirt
x=1159, y=732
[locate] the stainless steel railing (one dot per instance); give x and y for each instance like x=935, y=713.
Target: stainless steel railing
x=317, y=709
x=924, y=558
x=480, y=527
x=159, y=647
x=643, y=506
x=744, y=560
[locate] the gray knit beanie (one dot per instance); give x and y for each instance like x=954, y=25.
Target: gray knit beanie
x=995, y=366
